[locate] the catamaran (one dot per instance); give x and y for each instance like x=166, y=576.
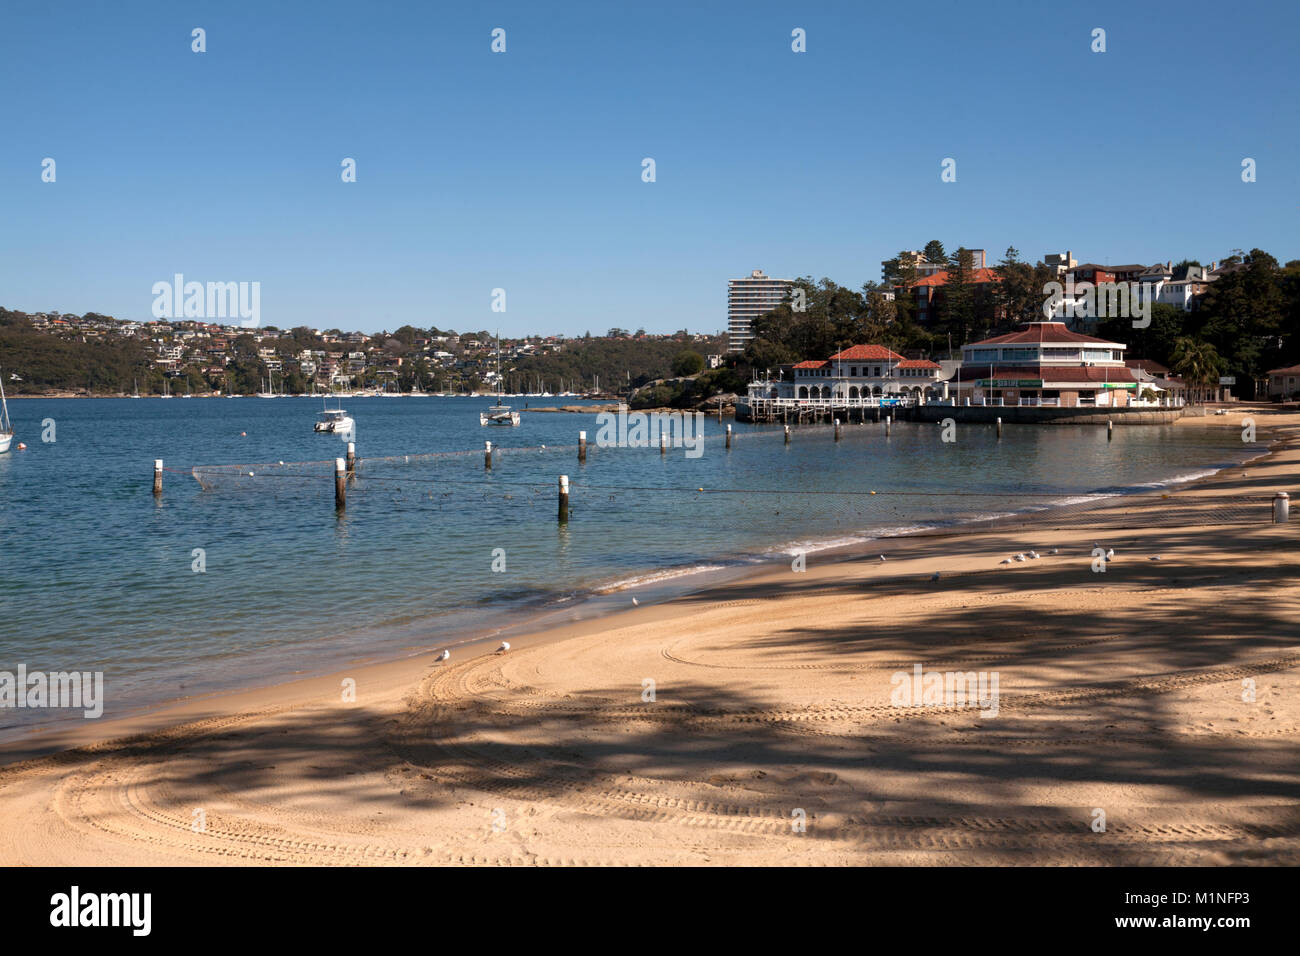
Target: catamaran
x=6, y=428
x=498, y=414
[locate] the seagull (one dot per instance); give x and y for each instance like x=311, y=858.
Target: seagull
x=442, y=655
x=635, y=601
x=882, y=557
x=505, y=646
x=1055, y=551
x=1034, y=555
x=934, y=577
x=1020, y=557
x=1005, y=561
x=1154, y=557
x=1110, y=553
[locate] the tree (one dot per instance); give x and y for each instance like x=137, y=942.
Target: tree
x=1198, y=364
x=933, y=251
x=1242, y=314
x=687, y=363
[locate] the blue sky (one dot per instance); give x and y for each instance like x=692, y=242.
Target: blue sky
x=522, y=170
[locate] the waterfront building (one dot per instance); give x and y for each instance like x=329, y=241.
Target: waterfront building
x=1044, y=363
x=862, y=376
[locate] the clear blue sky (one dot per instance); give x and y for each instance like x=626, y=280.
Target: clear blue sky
x=523, y=170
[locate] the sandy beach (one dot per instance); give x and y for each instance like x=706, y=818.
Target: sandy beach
x=753, y=723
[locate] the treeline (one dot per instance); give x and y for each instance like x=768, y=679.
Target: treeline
x=50, y=362
x=615, y=363
x=1245, y=324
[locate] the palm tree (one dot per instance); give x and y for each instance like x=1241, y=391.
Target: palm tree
x=1198, y=363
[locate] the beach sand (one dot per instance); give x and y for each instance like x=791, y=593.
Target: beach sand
x=771, y=738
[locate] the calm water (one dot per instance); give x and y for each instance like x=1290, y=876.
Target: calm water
x=97, y=575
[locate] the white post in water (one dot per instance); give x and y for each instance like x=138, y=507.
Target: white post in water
x=157, y=476
x=582, y=447
x=729, y=438
x=1281, y=507
x=837, y=429
x=999, y=426
x=1110, y=429
x=340, y=485
x=487, y=455
x=663, y=441
x=889, y=424
x=787, y=434
x=352, y=457
x=564, y=498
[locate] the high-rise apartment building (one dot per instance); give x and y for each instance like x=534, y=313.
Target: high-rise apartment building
x=747, y=299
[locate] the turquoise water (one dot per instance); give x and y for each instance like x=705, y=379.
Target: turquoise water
x=97, y=575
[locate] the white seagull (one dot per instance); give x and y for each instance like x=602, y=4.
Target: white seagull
x=1005, y=561
x=1154, y=557
x=882, y=557
x=1055, y=551
x=1034, y=555
x=505, y=646
x=1020, y=557
x=442, y=655
x=635, y=601
x=1110, y=553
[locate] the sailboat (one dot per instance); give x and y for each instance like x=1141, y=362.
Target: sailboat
x=498, y=414
x=136, y=393
x=6, y=427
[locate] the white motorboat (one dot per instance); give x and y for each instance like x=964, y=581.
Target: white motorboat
x=335, y=421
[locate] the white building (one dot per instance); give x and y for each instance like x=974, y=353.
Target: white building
x=747, y=299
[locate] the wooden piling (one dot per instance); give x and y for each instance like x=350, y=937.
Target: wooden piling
x=999, y=426
x=487, y=455
x=582, y=447
x=1110, y=429
x=837, y=429
x=352, y=458
x=564, y=499
x=728, y=438
x=157, y=476
x=663, y=442
x=1281, y=507
x=340, y=485
x=889, y=424
x=787, y=434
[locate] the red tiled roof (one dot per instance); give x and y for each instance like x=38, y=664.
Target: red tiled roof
x=867, y=353
x=1048, y=373
x=977, y=276
x=1033, y=333
x=918, y=363
x=1147, y=365
x=813, y=364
